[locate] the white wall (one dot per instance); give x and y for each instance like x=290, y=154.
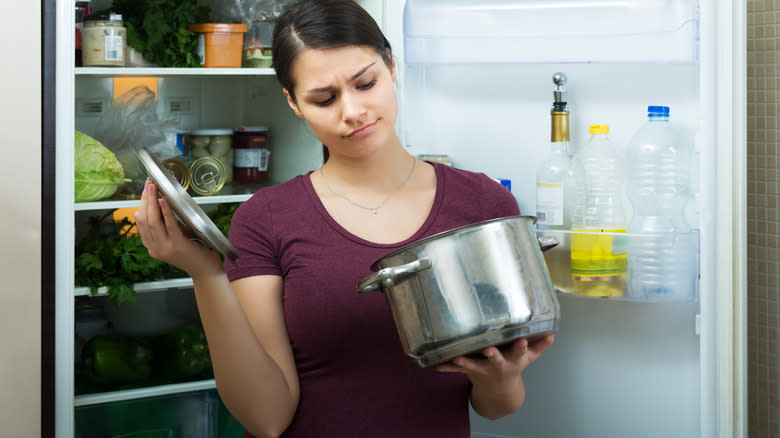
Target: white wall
x=20, y=225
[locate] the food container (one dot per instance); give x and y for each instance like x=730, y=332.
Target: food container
x=103, y=41
x=217, y=143
x=207, y=176
x=257, y=45
x=251, y=154
x=219, y=44
x=460, y=291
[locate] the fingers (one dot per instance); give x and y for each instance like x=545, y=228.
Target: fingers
x=518, y=350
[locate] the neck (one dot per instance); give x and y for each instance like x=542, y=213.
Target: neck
x=380, y=171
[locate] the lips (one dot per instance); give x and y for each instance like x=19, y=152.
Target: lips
x=363, y=131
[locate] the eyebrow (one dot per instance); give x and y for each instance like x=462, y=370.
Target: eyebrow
x=355, y=76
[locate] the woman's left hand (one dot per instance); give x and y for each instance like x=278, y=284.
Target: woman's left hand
x=496, y=377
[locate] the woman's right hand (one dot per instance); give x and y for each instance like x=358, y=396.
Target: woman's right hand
x=163, y=237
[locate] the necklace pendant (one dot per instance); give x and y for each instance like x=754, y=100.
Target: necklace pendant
x=373, y=211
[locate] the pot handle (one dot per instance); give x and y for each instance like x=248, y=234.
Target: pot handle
x=389, y=277
x=547, y=242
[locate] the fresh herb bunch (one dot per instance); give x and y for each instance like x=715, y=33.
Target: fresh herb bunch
x=113, y=257
x=157, y=29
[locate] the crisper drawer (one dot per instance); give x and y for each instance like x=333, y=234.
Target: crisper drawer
x=538, y=31
x=647, y=267
x=198, y=414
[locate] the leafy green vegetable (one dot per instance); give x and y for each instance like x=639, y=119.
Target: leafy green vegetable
x=157, y=29
x=98, y=173
x=110, y=255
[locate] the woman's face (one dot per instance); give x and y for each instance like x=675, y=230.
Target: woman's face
x=347, y=97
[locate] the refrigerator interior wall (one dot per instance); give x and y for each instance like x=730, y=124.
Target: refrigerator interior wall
x=617, y=368
x=217, y=102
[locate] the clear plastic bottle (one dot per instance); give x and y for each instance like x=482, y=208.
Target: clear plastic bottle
x=659, y=187
x=555, y=189
x=598, y=251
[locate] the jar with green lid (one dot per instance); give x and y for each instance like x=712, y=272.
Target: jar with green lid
x=103, y=41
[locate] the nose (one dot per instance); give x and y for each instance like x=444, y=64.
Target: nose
x=352, y=108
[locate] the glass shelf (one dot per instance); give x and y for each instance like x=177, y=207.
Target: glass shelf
x=152, y=391
x=150, y=286
x=159, y=71
x=229, y=194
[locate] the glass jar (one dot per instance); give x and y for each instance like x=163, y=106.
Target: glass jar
x=83, y=9
x=251, y=154
x=103, y=41
x=215, y=143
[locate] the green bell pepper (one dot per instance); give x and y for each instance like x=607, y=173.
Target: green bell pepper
x=183, y=353
x=115, y=359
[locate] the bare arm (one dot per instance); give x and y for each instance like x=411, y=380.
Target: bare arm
x=244, y=324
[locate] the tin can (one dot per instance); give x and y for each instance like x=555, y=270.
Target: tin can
x=179, y=169
x=207, y=176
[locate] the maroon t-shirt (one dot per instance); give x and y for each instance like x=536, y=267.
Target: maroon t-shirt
x=355, y=379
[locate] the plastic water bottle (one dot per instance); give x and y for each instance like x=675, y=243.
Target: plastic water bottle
x=598, y=244
x=661, y=262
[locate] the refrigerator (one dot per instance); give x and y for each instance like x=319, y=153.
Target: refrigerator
x=475, y=84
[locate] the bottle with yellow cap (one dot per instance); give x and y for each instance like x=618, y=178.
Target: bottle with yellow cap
x=598, y=251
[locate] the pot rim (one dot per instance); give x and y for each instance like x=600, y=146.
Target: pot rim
x=374, y=266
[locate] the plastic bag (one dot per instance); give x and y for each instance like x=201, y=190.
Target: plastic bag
x=259, y=16
x=132, y=120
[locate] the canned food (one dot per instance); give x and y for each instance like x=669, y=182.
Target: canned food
x=215, y=143
x=207, y=176
x=179, y=169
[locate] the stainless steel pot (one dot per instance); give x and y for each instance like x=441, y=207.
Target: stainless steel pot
x=457, y=292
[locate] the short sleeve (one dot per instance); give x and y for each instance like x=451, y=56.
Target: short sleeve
x=252, y=234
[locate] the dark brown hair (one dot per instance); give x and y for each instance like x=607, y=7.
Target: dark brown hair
x=322, y=24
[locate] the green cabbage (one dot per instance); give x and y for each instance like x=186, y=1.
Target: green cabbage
x=98, y=172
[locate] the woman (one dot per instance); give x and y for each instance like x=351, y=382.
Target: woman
x=296, y=352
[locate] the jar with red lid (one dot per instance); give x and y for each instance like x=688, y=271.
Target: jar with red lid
x=251, y=154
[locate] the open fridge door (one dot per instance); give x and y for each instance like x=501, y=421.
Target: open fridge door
x=474, y=84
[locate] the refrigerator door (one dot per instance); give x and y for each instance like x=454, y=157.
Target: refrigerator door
x=617, y=368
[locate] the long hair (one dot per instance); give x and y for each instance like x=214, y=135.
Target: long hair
x=322, y=24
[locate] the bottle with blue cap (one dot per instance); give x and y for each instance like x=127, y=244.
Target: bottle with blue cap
x=659, y=187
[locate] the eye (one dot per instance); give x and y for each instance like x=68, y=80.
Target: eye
x=325, y=102
x=367, y=85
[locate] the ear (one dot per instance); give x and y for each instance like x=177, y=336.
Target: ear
x=392, y=65
x=292, y=103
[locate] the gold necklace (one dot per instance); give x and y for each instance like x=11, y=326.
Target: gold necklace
x=373, y=210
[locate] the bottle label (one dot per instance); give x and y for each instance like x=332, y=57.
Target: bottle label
x=549, y=203
x=597, y=256
x=202, y=48
x=114, y=48
x=254, y=158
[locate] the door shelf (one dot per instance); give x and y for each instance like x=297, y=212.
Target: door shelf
x=152, y=391
x=150, y=286
x=608, y=268
x=159, y=71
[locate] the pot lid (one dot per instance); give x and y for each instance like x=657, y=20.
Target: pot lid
x=187, y=210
